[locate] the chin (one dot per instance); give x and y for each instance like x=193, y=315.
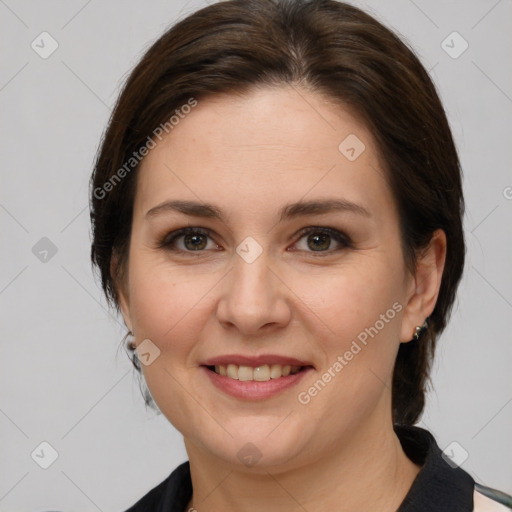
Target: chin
x=255, y=449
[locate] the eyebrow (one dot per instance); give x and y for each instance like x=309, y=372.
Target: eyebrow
x=289, y=211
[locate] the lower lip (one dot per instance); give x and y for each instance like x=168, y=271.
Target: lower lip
x=254, y=390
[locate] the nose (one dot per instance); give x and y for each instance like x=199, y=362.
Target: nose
x=254, y=297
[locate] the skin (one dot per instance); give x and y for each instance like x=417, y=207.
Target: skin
x=249, y=156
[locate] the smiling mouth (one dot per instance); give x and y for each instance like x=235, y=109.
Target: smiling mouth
x=263, y=373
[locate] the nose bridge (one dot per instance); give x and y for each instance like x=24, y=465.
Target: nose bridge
x=251, y=278
x=252, y=296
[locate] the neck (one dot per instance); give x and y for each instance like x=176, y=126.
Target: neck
x=369, y=471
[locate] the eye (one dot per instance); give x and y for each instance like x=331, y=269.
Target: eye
x=187, y=240
x=320, y=239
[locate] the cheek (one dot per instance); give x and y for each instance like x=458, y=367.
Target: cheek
x=347, y=302
x=167, y=308
x=356, y=323
x=162, y=297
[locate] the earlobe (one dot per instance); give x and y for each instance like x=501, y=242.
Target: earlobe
x=424, y=286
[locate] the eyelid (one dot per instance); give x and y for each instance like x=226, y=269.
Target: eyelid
x=336, y=234
x=170, y=238
x=339, y=236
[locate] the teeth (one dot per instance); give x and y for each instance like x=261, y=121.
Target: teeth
x=261, y=373
x=232, y=371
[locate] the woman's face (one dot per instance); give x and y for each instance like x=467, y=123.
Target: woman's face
x=297, y=257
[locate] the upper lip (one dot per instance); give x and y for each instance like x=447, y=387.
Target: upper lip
x=254, y=361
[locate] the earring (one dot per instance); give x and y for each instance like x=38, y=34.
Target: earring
x=418, y=331
x=130, y=344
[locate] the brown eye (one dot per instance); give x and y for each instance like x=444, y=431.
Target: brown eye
x=321, y=239
x=187, y=240
x=195, y=242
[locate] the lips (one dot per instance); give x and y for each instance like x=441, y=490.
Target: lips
x=255, y=388
x=255, y=377
x=261, y=368
x=254, y=361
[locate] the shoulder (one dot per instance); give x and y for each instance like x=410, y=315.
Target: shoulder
x=486, y=499
x=441, y=484
x=149, y=501
x=172, y=494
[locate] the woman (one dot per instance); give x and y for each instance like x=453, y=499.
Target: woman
x=277, y=213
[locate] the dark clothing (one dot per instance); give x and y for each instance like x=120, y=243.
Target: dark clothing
x=438, y=487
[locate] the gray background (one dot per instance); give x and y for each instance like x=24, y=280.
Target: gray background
x=62, y=375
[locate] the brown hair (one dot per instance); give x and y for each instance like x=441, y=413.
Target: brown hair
x=333, y=49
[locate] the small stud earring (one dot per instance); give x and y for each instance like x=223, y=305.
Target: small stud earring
x=418, y=331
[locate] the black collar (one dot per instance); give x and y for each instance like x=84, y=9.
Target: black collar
x=437, y=488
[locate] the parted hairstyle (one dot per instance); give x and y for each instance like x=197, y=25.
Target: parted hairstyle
x=329, y=48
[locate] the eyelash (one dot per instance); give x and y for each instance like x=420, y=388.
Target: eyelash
x=169, y=240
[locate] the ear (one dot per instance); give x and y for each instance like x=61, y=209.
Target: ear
x=121, y=286
x=423, y=287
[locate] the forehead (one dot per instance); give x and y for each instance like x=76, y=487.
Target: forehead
x=278, y=118
x=266, y=144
